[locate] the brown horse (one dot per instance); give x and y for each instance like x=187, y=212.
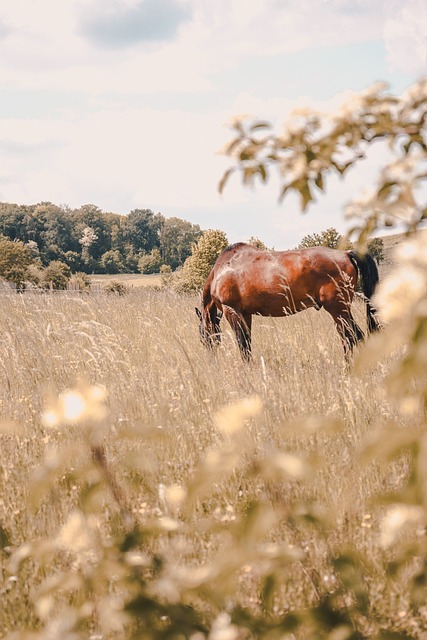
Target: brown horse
x=246, y=280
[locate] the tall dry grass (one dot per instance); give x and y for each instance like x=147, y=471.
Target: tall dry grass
x=164, y=390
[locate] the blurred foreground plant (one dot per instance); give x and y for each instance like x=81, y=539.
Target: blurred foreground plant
x=314, y=145
x=110, y=572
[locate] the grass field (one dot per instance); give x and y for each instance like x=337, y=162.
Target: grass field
x=131, y=280
x=163, y=393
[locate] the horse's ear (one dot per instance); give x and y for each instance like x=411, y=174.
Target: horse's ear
x=198, y=313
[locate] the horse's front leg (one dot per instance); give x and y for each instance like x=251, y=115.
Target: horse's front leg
x=242, y=327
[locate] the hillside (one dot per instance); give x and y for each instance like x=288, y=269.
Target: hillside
x=390, y=242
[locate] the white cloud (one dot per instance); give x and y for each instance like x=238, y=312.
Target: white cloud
x=405, y=36
x=114, y=24
x=46, y=48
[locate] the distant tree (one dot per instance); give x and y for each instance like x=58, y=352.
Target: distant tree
x=117, y=232
x=329, y=238
x=91, y=217
x=130, y=259
x=56, y=234
x=13, y=221
x=256, y=242
x=34, y=249
x=203, y=256
x=87, y=240
x=74, y=260
x=376, y=249
x=15, y=260
x=112, y=262
x=177, y=238
x=56, y=275
x=150, y=262
x=141, y=229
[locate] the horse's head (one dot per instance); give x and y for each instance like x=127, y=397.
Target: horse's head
x=209, y=331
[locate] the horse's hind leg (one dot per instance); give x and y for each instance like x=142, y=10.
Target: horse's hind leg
x=347, y=327
x=241, y=325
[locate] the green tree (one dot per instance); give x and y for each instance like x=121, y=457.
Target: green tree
x=329, y=238
x=112, y=261
x=150, y=262
x=98, y=241
x=56, y=275
x=141, y=229
x=256, y=242
x=130, y=259
x=57, y=235
x=177, y=238
x=88, y=240
x=203, y=257
x=13, y=221
x=74, y=260
x=15, y=260
x=376, y=249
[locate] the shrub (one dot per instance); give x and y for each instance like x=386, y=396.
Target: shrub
x=203, y=257
x=150, y=262
x=111, y=261
x=79, y=281
x=116, y=287
x=56, y=275
x=15, y=260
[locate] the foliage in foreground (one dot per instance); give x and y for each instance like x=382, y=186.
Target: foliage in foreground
x=314, y=145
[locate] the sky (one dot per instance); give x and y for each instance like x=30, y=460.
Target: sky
x=127, y=103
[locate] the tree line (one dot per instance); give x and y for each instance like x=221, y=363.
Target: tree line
x=89, y=240
x=44, y=244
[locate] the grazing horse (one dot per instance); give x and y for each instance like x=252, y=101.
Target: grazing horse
x=246, y=280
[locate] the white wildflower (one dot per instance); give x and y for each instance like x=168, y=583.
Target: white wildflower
x=74, y=535
x=232, y=418
x=175, y=495
x=395, y=519
x=222, y=629
x=73, y=405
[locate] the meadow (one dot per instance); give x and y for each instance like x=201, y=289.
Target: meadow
x=247, y=479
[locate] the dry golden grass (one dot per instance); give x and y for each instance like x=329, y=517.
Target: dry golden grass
x=164, y=390
x=131, y=280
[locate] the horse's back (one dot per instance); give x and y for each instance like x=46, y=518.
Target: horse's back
x=275, y=283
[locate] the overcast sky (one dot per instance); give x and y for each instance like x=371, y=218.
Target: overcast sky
x=124, y=103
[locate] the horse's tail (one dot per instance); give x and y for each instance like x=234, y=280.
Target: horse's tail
x=365, y=265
